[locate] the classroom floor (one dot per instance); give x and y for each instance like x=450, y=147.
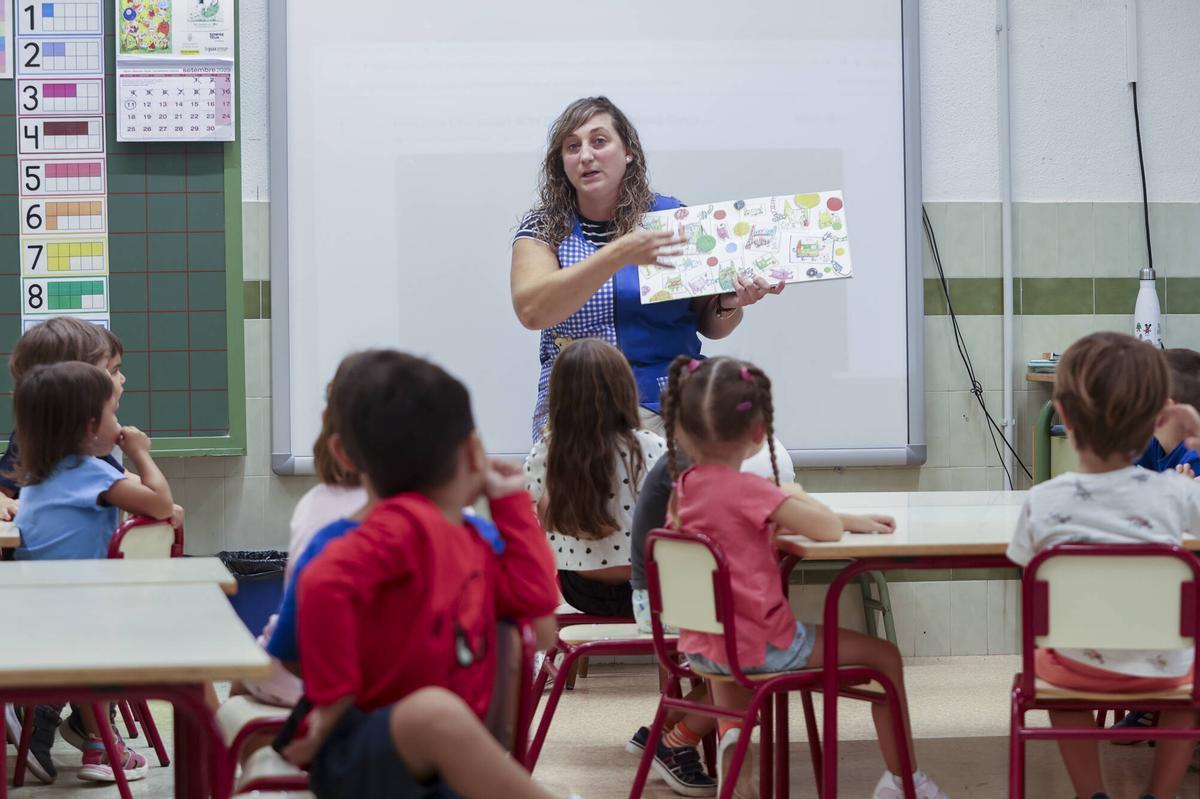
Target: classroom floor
x=960, y=718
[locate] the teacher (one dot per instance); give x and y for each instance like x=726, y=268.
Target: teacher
x=574, y=258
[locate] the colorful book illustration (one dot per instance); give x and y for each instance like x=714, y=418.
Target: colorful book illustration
x=790, y=239
x=145, y=27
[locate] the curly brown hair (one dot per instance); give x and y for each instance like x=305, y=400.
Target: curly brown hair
x=60, y=338
x=593, y=416
x=1111, y=388
x=558, y=202
x=714, y=402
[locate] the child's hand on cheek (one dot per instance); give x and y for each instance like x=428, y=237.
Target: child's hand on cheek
x=133, y=441
x=503, y=478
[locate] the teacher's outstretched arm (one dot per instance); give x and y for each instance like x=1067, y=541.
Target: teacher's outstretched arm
x=543, y=294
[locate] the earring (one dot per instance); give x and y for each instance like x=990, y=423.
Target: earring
x=629, y=159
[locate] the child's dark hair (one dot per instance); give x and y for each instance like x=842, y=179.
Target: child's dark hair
x=593, y=416
x=54, y=405
x=1185, y=375
x=115, y=347
x=1112, y=388
x=58, y=339
x=401, y=419
x=329, y=470
x=715, y=402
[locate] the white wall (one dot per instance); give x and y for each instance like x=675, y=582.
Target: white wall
x=252, y=64
x=1071, y=107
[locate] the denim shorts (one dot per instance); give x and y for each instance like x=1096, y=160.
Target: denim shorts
x=794, y=658
x=641, y=613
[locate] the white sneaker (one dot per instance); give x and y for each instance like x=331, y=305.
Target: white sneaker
x=747, y=781
x=891, y=787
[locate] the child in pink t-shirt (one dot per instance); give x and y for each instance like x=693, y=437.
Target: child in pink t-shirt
x=720, y=411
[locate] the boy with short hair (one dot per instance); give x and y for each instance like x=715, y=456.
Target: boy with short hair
x=400, y=617
x=1167, y=449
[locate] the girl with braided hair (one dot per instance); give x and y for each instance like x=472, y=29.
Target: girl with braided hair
x=719, y=411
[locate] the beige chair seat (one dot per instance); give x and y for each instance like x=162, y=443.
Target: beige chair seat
x=1046, y=690
x=238, y=711
x=266, y=763
x=870, y=687
x=591, y=633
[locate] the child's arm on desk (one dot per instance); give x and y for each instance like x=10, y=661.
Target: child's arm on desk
x=8, y=508
x=852, y=522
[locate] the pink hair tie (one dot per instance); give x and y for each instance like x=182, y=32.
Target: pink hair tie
x=749, y=378
x=744, y=406
x=693, y=364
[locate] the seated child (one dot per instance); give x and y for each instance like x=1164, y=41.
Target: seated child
x=66, y=423
x=1167, y=449
x=402, y=614
x=720, y=412
x=586, y=472
x=1111, y=391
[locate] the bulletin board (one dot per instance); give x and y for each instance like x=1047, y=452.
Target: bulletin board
x=172, y=259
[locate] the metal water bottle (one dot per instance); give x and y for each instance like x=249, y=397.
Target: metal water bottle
x=1147, y=318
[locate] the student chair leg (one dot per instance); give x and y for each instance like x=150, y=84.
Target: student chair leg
x=572, y=673
x=128, y=717
x=782, y=776
x=1016, y=753
x=142, y=711
x=656, y=729
x=742, y=747
x=814, y=739
x=898, y=714
x=565, y=669
x=27, y=713
x=881, y=604
x=709, y=745
x=112, y=749
x=583, y=668
x=766, y=743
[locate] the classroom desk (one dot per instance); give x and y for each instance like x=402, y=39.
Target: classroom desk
x=104, y=642
x=10, y=537
x=33, y=573
x=934, y=530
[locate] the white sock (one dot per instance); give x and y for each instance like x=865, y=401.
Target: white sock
x=919, y=778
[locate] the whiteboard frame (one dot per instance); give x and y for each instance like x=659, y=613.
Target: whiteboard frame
x=286, y=462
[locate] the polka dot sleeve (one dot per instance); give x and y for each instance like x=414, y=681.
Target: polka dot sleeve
x=535, y=471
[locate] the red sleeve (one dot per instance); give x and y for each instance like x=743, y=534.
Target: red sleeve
x=526, y=581
x=334, y=591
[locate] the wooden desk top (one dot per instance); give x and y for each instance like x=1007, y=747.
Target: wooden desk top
x=125, y=635
x=30, y=573
x=10, y=537
x=1039, y=377
x=928, y=523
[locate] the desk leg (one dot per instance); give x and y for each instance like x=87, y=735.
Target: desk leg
x=191, y=752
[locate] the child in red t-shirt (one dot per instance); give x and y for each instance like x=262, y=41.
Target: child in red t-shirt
x=720, y=411
x=397, y=622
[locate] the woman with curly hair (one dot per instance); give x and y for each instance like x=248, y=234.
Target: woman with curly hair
x=574, y=258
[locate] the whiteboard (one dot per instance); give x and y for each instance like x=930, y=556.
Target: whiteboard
x=406, y=148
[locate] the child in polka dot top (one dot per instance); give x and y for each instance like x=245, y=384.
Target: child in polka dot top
x=586, y=472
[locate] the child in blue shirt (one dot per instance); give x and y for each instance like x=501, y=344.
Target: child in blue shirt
x=66, y=422
x=1167, y=450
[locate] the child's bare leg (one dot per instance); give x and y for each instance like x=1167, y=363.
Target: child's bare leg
x=435, y=733
x=875, y=653
x=1082, y=758
x=701, y=725
x=210, y=697
x=727, y=693
x=1171, y=758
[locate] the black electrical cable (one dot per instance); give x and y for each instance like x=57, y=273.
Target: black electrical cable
x=976, y=386
x=1137, y=126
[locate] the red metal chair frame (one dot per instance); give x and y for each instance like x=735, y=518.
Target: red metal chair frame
x=1035, y=621
x=776, y=687
x=132, y=523
x=560, y=672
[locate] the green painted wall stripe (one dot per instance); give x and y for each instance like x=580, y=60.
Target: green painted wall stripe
x=1058, y=296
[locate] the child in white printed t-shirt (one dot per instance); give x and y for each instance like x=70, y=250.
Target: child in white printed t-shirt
x=1110, y=391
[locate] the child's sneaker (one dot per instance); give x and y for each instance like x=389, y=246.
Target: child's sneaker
x=96, y=767
x=679, y=767
x=72, y=731
x=45, y=722
x=1137, y=720
x=747, y=783
x=891, y=787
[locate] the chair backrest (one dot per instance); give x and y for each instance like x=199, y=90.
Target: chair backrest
x=688, y=579
x=1087, y=596
x=141, y=537
x=510, y=713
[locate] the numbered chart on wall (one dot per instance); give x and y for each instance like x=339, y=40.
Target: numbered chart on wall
x=62, y=177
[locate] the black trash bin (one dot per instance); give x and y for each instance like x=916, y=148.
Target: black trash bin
x=259, y=576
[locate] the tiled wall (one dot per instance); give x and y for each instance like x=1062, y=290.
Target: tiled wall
x=1075, y=264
